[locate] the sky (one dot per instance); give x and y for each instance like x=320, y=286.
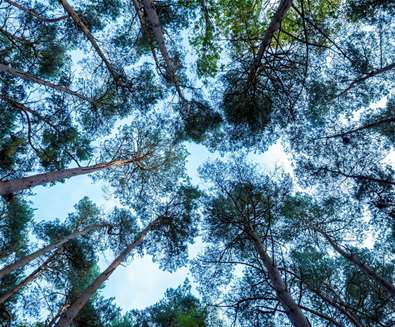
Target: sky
x=139, y=282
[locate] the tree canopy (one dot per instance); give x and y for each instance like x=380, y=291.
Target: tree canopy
x=122, y=91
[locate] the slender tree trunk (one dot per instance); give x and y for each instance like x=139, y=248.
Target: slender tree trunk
x=321, y=315
x=354, y=259
x=292, y=310
x=366, y=126
x=26, y=259
x=77, y=20
x=28, y=279
x=16, y=185
x=372, y=73
x=138, y=6
x=28, y=77
x=359, y=177
x=34, y=14
x=337, y=303
x=155, y=26
x=267, y=38
x=67, y=317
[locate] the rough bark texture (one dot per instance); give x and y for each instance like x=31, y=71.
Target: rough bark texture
x=80, y=24
x=34, y=79
x=16, y=185
x=26, y=259
x=67, y=317
x=354, y=259
x=267, y=38
x=292, y=310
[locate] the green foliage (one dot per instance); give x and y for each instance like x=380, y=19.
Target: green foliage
x=199, y=122
x=243, y=106
x=178, y=308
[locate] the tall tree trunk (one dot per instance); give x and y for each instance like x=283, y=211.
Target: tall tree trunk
x=292, y=310
x=77, y=20
x=356, y=261
x=36, y=273
x=26, y=259
x=12, y=186
x=67, y=317
x=267, y=38
x=28, y=77
x=155, y=27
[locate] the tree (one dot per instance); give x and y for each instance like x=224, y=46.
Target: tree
x=178, y=308
x=241, y=218
x=171, y=227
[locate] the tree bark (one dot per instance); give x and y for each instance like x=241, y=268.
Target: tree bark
x=77, y=20
x=28, y=279
x=356, y=261
x=16, y=185
x=28, y=77
x=292, y=310
x=275, y=22
x=26, y=259
x=155, y=26
x=67, y=317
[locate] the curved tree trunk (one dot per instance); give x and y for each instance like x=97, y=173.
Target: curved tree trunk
x=36, y=273
x=26, y=259
x=356, y=261
x=16, y=185
x=67, y=317
x=28, y=77
x=292, y=310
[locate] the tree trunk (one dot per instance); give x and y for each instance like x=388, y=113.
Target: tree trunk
x=67, y=317
x=77, y=20
x=28, y=279
x=16, y=185
x=155, y=26
x=27, y=77
x=291, y=309
x=354, y=259
x=26, y=259
x=267, y=38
